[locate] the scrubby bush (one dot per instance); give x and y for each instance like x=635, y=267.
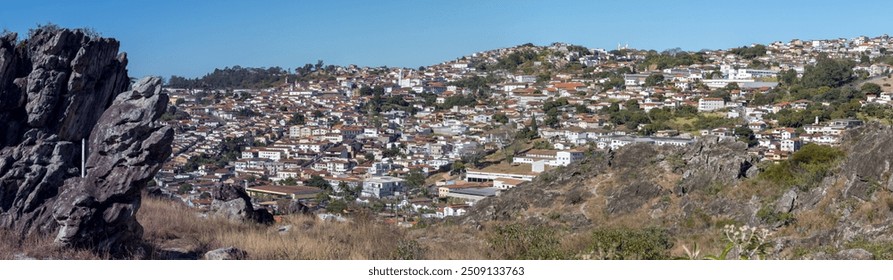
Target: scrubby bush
x=630, y=244
x=805, y=168
x=519, y=241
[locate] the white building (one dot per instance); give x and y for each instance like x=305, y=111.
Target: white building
x=382, y=186
x=550, y=157
x=790, y=145
x=710, y=104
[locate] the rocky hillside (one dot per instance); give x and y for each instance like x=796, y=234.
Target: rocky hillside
x=57, y=88
x=823, y=203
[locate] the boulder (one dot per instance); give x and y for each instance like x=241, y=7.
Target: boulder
x=232, y=202
x=228, y=253
x=786, y=202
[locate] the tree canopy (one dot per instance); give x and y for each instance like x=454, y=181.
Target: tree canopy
x=828, y=72
x=232, y=77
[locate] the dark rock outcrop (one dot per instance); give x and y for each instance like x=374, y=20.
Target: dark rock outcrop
x=232, y=202
x=127, y=149
x=58, y=88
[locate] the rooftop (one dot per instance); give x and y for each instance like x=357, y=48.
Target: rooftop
x=508, y=168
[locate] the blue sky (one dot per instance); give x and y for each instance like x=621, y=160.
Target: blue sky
x=191, y=38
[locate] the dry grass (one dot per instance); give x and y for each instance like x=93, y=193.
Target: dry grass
x=38, y=246
x=173, y=227
x=173, y=230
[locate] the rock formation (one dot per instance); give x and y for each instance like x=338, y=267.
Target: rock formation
x=228, y=253
x=233, y=203
x=58, y=88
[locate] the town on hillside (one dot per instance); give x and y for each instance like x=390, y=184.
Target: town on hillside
x=413, y=145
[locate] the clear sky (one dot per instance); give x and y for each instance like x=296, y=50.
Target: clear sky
x=191, y=38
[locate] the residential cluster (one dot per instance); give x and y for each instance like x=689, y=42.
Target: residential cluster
x=429, y=142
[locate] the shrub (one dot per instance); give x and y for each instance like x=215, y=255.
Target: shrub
x=804, y=168
x=631, y=244
x=880, y=250
x=409, y=250
x=519, y=241
x=770, y=216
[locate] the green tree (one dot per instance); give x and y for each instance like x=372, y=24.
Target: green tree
x=864, y=60
x=534, y=127
x=731, y=86
x=457, y=167
x=318, y=182
x=415, y=178
x=654, y=80
x=787, y=77
x=336, y=206
x=749, y=52
x=289, y=181
x=828, y=72
x=184, y=188
x=552, y=121
x=746, y=135
x=297, y=119
x=500, y=118
x=870, y=88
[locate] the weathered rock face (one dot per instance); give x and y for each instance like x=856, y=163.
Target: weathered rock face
x=127, y=148
x=717, y=161
x=56, y=88
x=869, y=160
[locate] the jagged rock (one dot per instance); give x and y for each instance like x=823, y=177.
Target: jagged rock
x=854, y=254
x=786, y=202
x=56, y=88
x=232, y=202
x=127, y=148
x=868, y=161
x=229, y=253
x=713, y=160
x=631, y=197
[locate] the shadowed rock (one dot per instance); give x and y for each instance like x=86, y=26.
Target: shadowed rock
x=127, y=148
x=57, y=88
x=232, y=202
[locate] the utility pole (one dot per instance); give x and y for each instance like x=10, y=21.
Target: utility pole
x=83, y=158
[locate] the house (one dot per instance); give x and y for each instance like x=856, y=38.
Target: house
x=552, y=157
x=632, y=80
x=506, y=183
x=791, y=145
x=382, y=186
x=452, y=211
x=710, y=104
